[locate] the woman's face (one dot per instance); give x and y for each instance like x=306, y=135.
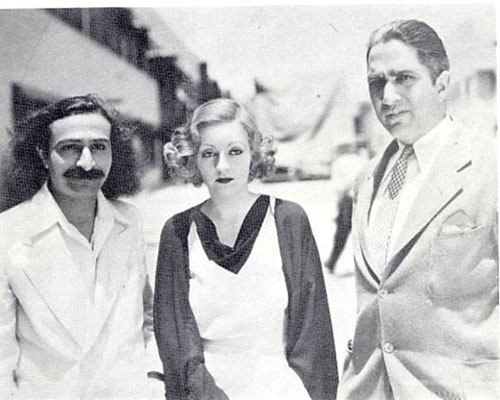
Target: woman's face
x=223, y=158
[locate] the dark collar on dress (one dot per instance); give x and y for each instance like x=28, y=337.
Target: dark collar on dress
x=231, y=258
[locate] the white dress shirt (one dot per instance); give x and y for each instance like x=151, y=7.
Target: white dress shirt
x=426, y=151
x=84, y=253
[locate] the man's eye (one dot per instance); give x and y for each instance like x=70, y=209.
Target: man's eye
x=404, y=78
x=70, y=147
x=99, y=146
x=377, y=83
x=235, y=151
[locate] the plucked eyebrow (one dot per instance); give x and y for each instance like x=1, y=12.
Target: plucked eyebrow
x=237, y=143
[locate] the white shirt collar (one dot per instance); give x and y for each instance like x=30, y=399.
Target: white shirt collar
x=51, y=214
x=428, y=146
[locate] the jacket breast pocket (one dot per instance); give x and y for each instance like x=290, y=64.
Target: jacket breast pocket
x=480, y=379
x=463, y=263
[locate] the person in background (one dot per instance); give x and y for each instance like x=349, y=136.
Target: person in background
x=351, y=159
x=240, y=303
x=480, y=107
x=75, y=301
x=425, y=228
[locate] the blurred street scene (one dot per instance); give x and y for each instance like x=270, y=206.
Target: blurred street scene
x=301, y=70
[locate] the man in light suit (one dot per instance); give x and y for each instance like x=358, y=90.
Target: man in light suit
x=425, y=236
x=75, y=302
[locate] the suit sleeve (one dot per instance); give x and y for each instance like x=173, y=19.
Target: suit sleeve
x=9, y=348
x=177, y=336
x=310, y=343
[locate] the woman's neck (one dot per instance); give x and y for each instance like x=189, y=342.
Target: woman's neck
x=228, y=214
x=222, y=208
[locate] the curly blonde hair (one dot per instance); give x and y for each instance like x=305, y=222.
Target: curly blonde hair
x=180, y=152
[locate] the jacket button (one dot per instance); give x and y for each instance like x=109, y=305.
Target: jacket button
x=388, y=347
x=349, y=346
x=382, y=293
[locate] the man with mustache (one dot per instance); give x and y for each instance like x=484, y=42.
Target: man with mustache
x=425, y=236
x=75, y=301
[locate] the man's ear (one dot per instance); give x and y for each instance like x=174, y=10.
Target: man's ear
x=442, y=84
x=43, y=156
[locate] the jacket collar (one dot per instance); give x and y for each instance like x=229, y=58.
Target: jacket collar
x=428, y=147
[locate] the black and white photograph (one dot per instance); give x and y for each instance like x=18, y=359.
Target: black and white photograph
x=273, y=201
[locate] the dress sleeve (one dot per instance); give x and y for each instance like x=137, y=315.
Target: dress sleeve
x=9, y=348
x=147, y=291
x=147, y=301
x=310, y=344
x=177, y=336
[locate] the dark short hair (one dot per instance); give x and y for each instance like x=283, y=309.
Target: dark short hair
x=25, y=173
x=420, y=36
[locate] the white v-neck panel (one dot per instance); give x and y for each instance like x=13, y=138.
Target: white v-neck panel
x=241, y=319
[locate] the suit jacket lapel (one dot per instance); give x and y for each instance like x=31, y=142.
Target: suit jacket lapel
x=440, y=188
x=361, y=222
x=366, y=194
x=379, y=171
x=58, y=281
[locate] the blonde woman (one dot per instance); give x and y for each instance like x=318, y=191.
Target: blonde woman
x=240, y=305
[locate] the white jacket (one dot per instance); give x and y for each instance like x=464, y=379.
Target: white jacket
x=55, y=342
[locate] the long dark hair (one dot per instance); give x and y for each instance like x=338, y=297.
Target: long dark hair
x=24, y=173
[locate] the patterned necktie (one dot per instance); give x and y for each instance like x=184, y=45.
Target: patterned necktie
x=384, y=219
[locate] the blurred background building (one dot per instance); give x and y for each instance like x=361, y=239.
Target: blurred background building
x=301, y=70
x=152, y=79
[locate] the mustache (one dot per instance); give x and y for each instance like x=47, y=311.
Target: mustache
x=80, y=173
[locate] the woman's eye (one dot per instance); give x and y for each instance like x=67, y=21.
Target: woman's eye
x=235, y=151
x=207, y=154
